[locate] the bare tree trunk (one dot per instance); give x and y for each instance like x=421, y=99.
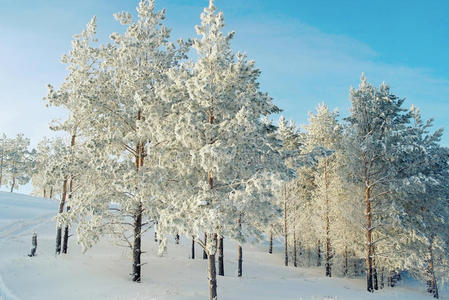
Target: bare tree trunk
x=177, y=239
x=193, y=248
x=294, y=249
x=51, y=193
x=13, y=183
x=137, y=244
x=285, y=227
x=318, y=253
x=382, y=277
x=375, y=281
x=205, y=243
x=45, y=196
x=60, y=211
x=327, y=229
x=212, y=275
x=368, y=246
x=270, y=247
x=240, y=261
x=65, y=240
x=34, y=245
x=240, y=251
x=345, y=258
x=220, y=256
x=433, y=283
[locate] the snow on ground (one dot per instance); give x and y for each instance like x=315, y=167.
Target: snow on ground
x=102, y=272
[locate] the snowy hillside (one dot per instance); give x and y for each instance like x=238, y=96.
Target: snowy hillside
x=101, y=273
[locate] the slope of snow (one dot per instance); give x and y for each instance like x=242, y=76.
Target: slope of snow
x=102, y=272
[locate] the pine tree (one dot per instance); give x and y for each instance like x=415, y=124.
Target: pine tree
x=221, y=142
x=371, y=145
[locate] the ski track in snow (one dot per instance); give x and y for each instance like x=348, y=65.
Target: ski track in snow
x=14, y=230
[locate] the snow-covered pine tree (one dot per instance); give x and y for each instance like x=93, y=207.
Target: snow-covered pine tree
x=116, y=98
x=325, y=133
x=290, y=139
x=43, y=182
x=421, y=201
x=5, y=145
x=17, y=161
x=225, y=156
x=372, y=142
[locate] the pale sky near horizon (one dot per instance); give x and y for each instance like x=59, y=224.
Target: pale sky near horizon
x=308, y=51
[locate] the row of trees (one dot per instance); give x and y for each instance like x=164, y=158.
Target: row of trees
x=158, y=138
x=379, y=190
x=16, y=161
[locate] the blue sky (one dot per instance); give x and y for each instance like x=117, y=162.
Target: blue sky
x=308, y=51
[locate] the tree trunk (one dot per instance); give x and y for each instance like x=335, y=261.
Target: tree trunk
x=318, y=253
x=212, y=277
x=368, y=245
x=327, y=229
x=45, y=194
x=220, y=256
x=137, y=244
x=13, y=183
x=433, y=283
x=270, y=247
x=51, y=193
x=294, y=249
x=177, y=239
x=375, y=281
x=34, y=245
x=193, y=248
x=60, y=211
x=345, y=258
x=240, y=261
x=382, y=277
x=205, y=243
x=65, y=241
x=285, y=227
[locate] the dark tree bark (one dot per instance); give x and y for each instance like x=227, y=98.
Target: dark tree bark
x=375, y=280
x=193, y=248
x=432, y=285
x=205, y=243
x=285, y=227
x=327, y=227
x=51, y=193
x=270, y=247
x=318, y=253
x=65, y=240
x=212, y=276
x=220, y=256
x=34, y=245
x=240, y=261
x=66, y=229
x=294, y=249
x=345, y=261
x=382, y=277
x=177, y=239
x=60, y=211
x=13, y=183
x=369, y=243
x=136, y=276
